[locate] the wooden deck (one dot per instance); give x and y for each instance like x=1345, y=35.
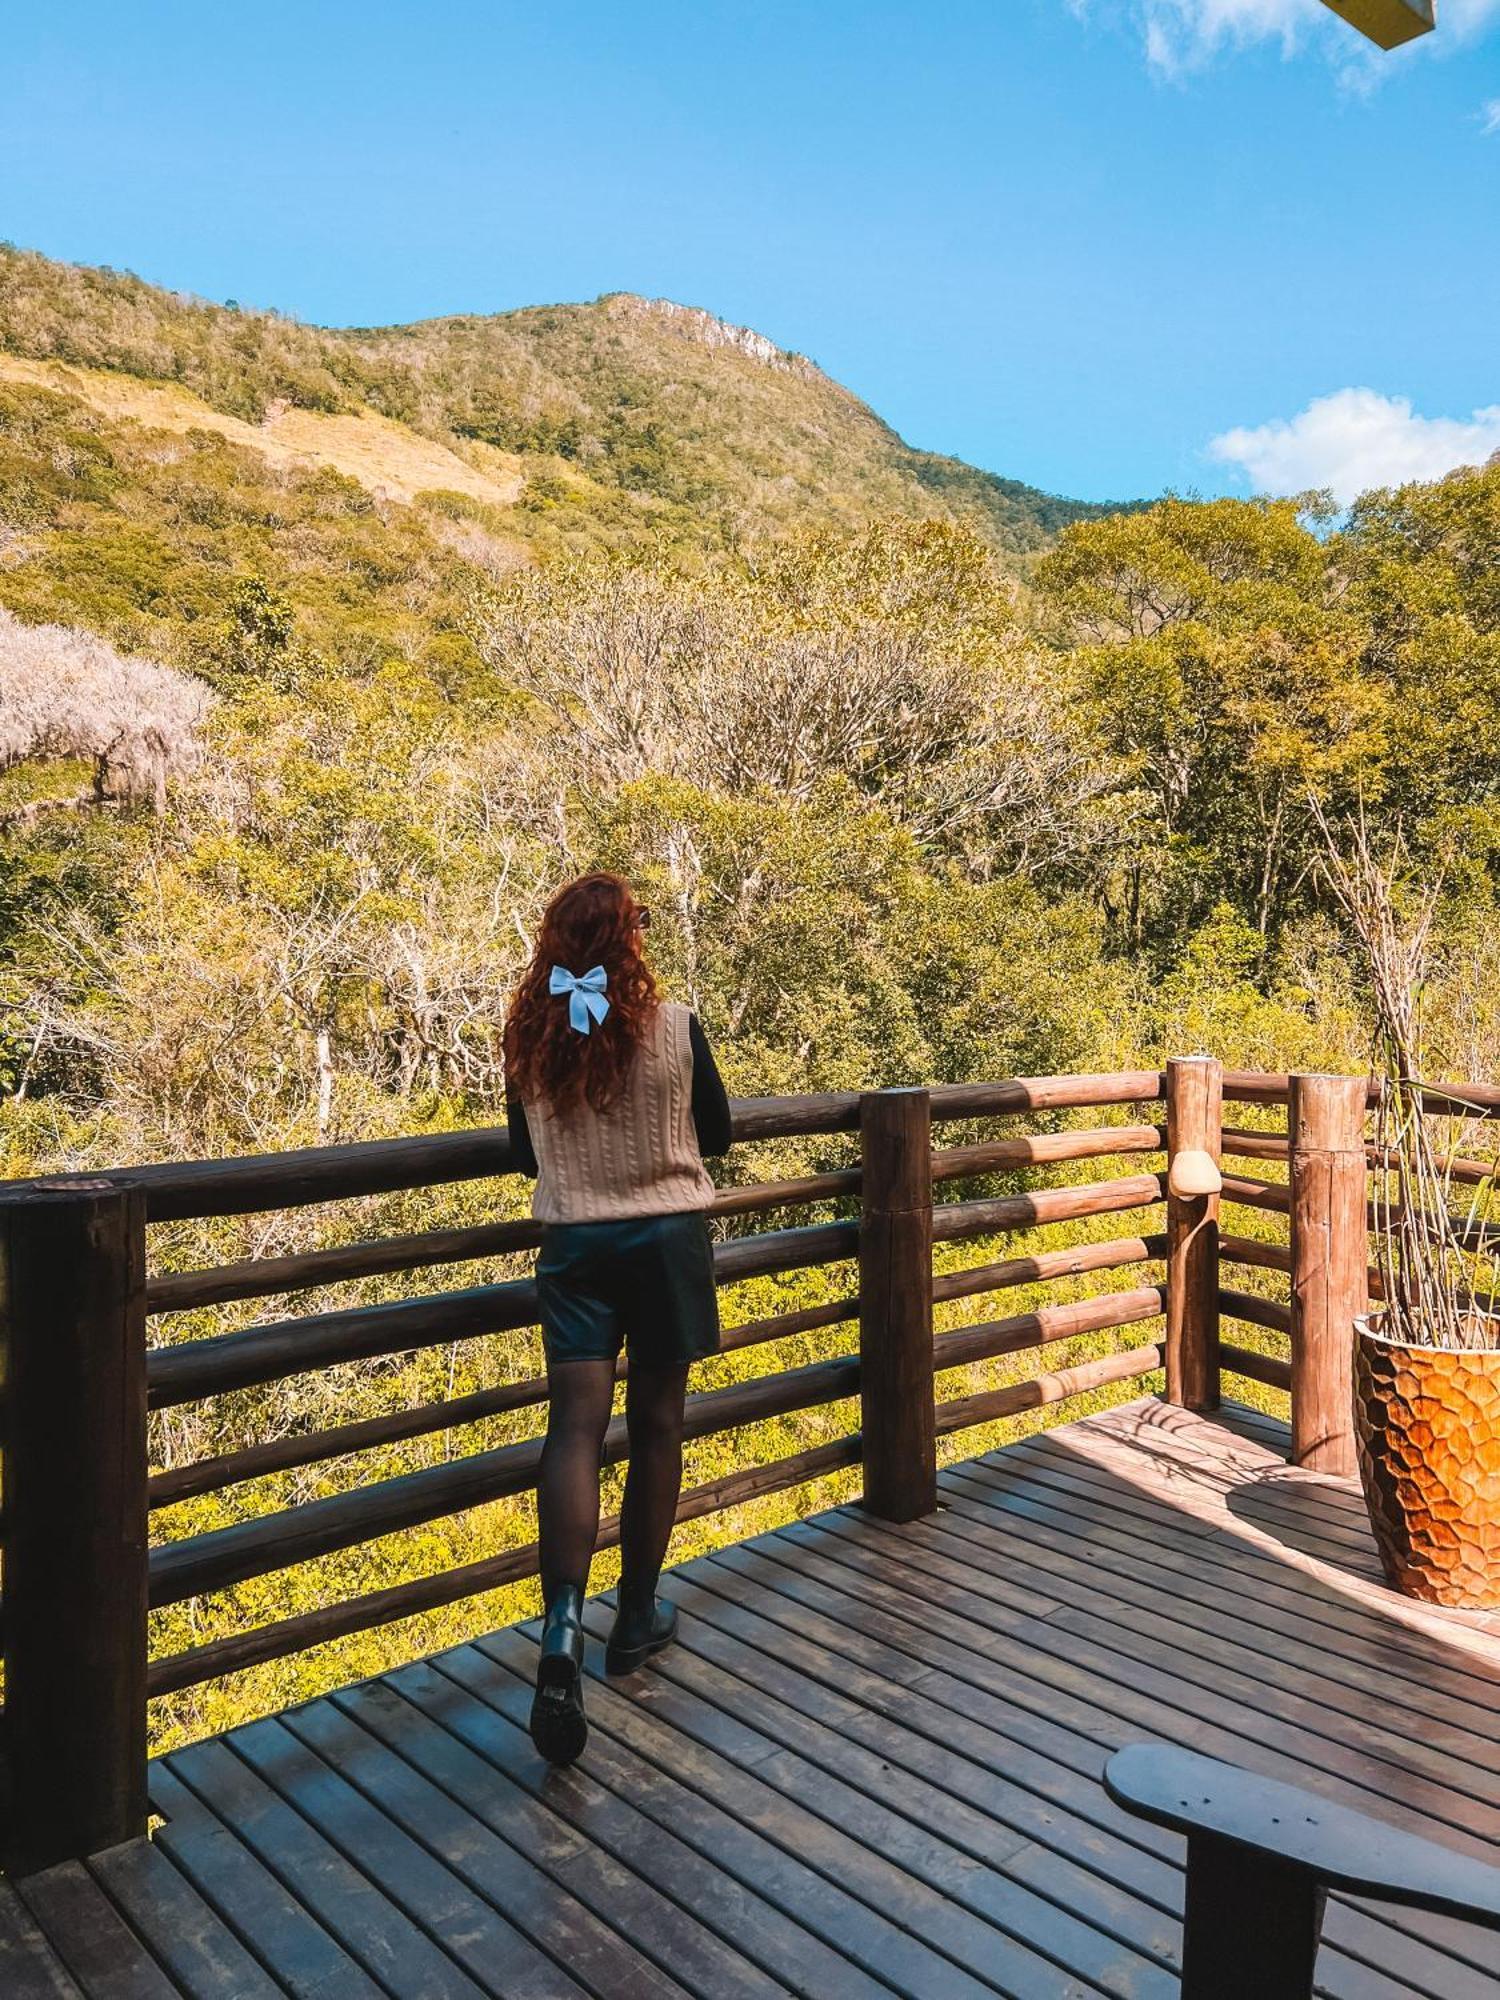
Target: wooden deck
x=871, y=1766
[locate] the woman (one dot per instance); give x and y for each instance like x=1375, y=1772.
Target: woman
x=613, y=1100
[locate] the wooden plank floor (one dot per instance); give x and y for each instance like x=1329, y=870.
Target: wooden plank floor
x=870, y=1767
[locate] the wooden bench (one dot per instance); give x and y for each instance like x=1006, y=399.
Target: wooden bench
x=1261, y=1858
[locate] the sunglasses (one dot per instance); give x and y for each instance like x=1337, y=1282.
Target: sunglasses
x=642, y=920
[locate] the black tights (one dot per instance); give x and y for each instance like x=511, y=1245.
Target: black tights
x=580, y=1394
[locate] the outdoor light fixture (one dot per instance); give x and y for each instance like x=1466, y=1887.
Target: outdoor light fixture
x=1388, y=22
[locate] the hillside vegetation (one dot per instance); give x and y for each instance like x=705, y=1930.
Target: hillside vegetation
x=631, y=416
x=292, y=753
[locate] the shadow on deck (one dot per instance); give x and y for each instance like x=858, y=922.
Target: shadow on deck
x=871, y=1766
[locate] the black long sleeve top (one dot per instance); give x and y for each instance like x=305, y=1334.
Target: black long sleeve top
x=710, y=1109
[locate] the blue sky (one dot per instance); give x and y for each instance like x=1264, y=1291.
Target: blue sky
x=1074, y=241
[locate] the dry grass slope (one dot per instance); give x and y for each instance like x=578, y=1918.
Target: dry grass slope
x=390, y=461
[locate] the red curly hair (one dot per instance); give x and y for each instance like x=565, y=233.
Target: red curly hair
x=595, y=920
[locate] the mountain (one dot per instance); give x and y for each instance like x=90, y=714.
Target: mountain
x=624, y=421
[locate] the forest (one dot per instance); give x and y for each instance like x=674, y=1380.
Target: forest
x=288, y=767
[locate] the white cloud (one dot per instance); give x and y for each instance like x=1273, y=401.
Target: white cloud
x=1466, y=18
x=1183, y=35
x=1353, y=440
x=1489, y=117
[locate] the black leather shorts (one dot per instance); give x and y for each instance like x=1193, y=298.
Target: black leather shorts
x=645, y=1283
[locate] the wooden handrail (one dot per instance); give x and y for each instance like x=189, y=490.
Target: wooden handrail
x=1275, y=1197
x=187, y=1190
x=890, y=1231
x=1243, y=1145
x=1250, y=1250
x=955, y=1220
x=1276, y=1146
x=285, y=1454
x=223, y=1556
x=212, y=1475
x=192, y=1369
x=952, y=1101
x=992, y=1404
x=189, y=1370
x=1045, y=1148
x=1274, y=1370
x=404, y=1600
x=202, y=1367
x=1459, y=1100
x=1276, y=1318
x=1079, y=1258
x=265, y=1277
x=191, y=1189
x=1443, y=1099
x=1253, y=1086
x=1049, y=1323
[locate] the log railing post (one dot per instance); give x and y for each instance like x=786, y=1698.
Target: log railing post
x=1195, y=1092
x=1330, y=1263
x=895, y=1304
x=73, y=1496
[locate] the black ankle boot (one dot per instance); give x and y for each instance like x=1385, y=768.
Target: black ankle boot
x=644, y=1623
x=559, y=1728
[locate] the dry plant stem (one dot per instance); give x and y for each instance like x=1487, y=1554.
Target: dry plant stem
x=1437, y=1270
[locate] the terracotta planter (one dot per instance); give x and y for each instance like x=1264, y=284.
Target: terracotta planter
x=1428, y=1424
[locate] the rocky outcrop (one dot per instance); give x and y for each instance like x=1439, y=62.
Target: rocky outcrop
x=696, y=325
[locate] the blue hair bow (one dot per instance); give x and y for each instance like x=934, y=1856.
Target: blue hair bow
x=585, y=994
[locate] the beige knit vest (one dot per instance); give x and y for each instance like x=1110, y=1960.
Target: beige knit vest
x=638, y=1158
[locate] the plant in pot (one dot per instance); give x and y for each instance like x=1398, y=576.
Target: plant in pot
x=1427, y=1355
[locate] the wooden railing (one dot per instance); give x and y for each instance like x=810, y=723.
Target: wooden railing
x=81, y=1374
